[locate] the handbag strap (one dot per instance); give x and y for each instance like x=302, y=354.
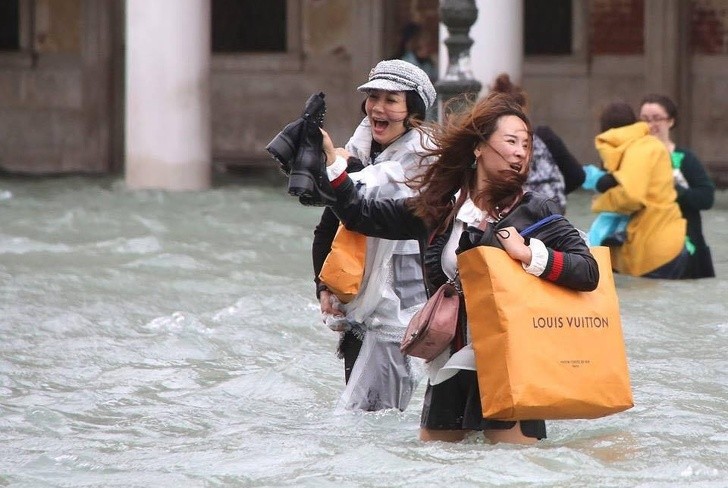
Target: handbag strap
x=456, y=283
x=531, y=228
x=525, y=233
x=537, y=225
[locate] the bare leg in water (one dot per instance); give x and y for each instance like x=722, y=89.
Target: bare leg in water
x=513, y=435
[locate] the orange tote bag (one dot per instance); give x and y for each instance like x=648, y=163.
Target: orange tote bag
x=343, y=269
x=543, y=351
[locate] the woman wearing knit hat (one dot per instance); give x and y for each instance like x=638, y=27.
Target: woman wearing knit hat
x=383, y=152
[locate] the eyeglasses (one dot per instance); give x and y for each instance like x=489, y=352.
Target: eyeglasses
x=651, y=120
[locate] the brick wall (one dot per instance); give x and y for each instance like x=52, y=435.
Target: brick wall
x=709, y=27
x=617, y=27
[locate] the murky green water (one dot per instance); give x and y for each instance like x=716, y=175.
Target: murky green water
x=172, y=339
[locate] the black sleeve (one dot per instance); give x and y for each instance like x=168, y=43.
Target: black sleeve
x=570, y=263
x=385, y=218
x=323, y=236
x=569, y=166
x=701, y=193
x=606, y=182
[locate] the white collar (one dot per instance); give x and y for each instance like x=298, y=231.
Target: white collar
x=469, y=213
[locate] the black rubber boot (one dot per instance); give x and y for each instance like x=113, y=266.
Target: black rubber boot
x=308, y=179
x=284, y=145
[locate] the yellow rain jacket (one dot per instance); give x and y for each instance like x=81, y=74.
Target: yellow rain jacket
x=641, y=164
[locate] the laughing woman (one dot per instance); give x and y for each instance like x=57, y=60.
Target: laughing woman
x=381, y=154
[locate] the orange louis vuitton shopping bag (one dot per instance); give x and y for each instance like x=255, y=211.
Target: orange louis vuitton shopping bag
x=343, y=269
x=543, y=351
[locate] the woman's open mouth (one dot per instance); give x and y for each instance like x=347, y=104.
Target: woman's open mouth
x=380, y=125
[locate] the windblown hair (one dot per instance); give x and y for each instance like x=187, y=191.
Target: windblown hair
x=503, y=84
x=455, y=140
x=616, y=114
x=663, y=101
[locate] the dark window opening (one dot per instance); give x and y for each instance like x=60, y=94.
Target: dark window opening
x=547, y=27
x=9, y=25
x=248, y=26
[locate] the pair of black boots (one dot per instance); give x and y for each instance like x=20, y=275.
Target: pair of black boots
x=298, y=148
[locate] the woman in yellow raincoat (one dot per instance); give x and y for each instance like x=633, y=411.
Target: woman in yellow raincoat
x=637, y=182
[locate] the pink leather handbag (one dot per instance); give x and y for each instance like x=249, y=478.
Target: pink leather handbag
x=432, y=328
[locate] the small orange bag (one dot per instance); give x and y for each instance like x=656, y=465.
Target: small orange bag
x=343, y=269
x=543, y=351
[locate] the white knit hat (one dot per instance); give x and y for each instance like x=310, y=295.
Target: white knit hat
x=398, y=75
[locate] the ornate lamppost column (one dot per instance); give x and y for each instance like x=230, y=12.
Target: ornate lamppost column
x=458, y=16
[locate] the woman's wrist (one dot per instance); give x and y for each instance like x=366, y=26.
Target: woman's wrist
x=322, y=291
x=539, y=257
x=336, y=168
x=526, y=256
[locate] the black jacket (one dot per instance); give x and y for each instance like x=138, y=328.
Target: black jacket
x=570, y=262
x=698, y=196
x=323, y=234
x=570, y=167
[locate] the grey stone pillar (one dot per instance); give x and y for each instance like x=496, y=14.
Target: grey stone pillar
x=497, y=41
x=168, y=131
x=666, y=56
x=457, y=16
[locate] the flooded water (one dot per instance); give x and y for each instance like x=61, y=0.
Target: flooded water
x=172, y=339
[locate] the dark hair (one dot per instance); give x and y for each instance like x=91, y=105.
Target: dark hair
x=416, y=111
x=663, y=101
x=415, y=106
x=616, y=114
x=455, y=141
x=503, y=84
x=410, y=31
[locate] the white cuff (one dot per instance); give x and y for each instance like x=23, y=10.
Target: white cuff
x=539, y=258
x=337, y=168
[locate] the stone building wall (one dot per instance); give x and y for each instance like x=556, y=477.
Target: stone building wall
x=56, y=104
x=61, y=99
x=254, y=96
x=709, y=94
x=568, y=92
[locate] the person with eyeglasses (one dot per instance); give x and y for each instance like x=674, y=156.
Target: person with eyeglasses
x=636, y=183
x=695, y=189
